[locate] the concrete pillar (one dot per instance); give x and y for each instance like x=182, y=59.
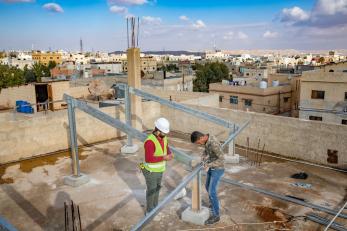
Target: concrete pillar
x=196, y=214
x=134, y=80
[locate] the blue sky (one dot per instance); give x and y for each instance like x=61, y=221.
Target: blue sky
x=174, y=24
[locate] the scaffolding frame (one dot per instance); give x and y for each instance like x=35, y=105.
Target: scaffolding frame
x=131, y=132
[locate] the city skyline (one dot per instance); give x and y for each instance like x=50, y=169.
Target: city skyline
x=174, y=25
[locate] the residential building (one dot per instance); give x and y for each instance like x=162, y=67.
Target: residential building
x=256, y=97
x=323, y=94
x=45, y=57
x=148, y=64
x=109, y=67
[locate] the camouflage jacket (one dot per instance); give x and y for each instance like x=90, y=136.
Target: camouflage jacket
x=213, y=153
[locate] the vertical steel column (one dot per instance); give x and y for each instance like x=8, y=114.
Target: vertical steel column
x=128, y=112
x=196, y=193
x=73, y=138
x=231, y=148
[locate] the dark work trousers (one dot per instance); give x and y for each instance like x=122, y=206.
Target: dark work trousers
x=153, y=182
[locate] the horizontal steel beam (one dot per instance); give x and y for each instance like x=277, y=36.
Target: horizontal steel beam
x=181, y=107
x=168, y=198
x=324, y=221
x=83, y=106
x=281, y=197
x=235, y=133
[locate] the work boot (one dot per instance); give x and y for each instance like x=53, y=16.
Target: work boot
x=212, y=220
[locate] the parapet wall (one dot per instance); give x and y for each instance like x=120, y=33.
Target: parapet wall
x=290, y=137
x=25, y=136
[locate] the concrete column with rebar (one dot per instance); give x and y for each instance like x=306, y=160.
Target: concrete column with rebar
x=133, y=105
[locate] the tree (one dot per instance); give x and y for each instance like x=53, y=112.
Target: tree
x=40, y=71
x=51, y=65
x=321, y=60
x=10, y=76
x=209, y=73
x=29, y=75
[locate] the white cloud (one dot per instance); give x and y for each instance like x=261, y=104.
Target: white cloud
x=228, y=36
x=330, y=7
x=293, y=15
x=15, y=1
x=269, y=34
x=53, y=7
x=127, y=2
x=238, y=35
x=151, y=20
x=184, y=18
x=199, y=24
x=325, y=13
x=118, y=9
x=241, y=35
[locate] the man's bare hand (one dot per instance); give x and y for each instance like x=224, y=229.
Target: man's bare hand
x=168, y=157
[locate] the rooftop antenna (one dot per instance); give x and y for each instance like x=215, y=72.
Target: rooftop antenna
x=133, y=36
x=81, y=46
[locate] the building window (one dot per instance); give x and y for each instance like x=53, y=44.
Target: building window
x=317, y=118
x=248, y=102
x=317, y=94
x=221, y=98
x=234, y=99
x=344, y=122
x=346, y=96
x=286, y=99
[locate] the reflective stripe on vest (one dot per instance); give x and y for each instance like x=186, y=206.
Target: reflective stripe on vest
x=160, y=166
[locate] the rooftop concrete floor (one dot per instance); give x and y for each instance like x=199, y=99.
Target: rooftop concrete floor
x=32, y=193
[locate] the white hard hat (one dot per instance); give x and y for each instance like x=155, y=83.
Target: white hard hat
x=163, y=125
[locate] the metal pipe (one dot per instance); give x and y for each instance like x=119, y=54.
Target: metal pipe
x=73, y=138
x=167, y=199
x=339, y=212
x=281, y=197
x=181, y=107
x=128, y=112
x=233, y=135
x=113, y=122
x=296, y=161
x=324, y=221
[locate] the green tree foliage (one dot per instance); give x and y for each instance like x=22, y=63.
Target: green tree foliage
x=209, y=73
x=29, y=75
x=51, y=65
x=10, y=76
x=40, y=71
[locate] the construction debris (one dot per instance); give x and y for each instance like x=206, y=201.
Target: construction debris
x=300, y=175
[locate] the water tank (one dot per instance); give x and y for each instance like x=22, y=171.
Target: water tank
x=263, y=84
x=275, y=83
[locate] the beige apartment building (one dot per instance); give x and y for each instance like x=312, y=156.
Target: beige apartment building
x=45, y=57
x=323, y=95
x=270, y=100
x=148, y=64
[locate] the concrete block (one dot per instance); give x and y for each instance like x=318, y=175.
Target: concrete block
x=129, y=149
x=232, y=159
x=76, y=181
x=197, y=218
x=181, y=194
